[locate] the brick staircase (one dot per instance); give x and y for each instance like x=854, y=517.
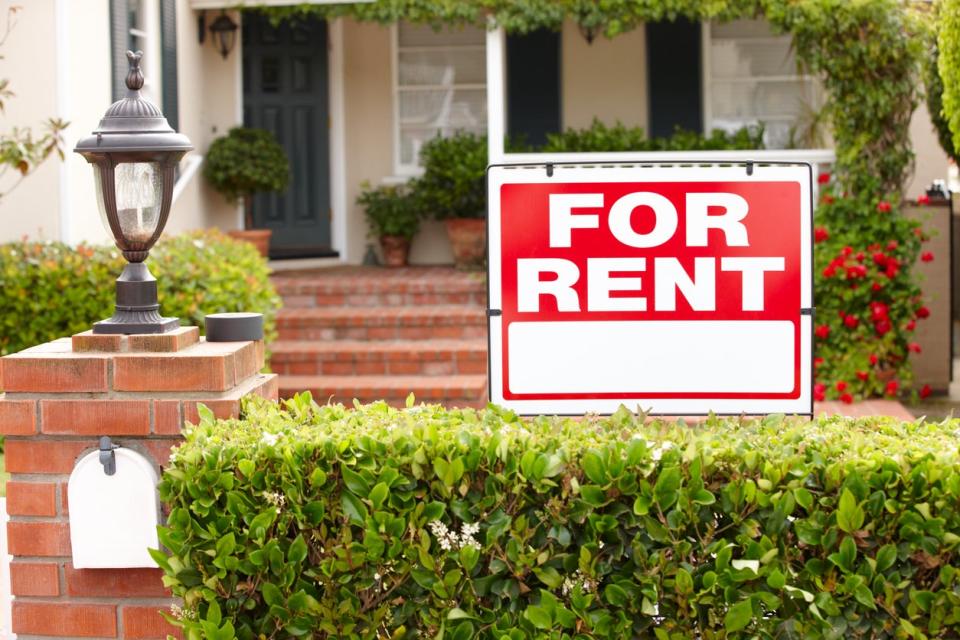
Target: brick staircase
x=372, y=334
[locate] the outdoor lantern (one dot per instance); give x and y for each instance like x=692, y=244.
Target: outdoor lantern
x=134, y=153
x=224, y=32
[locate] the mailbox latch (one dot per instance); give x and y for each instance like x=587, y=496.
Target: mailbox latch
x=107, y=457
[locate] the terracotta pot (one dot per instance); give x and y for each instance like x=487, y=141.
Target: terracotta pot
x=468, y=240
x=260, y=238
x=395, y=250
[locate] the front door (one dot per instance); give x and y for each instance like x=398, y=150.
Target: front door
x=285, y=92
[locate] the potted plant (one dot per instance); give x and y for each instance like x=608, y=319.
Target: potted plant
x=393, y=215
x=453, y=189
x=242, y=163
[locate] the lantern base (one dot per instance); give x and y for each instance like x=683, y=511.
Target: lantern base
x=130, y=327
x=137, y=309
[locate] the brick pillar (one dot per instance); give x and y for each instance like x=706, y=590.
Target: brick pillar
x=60, y=398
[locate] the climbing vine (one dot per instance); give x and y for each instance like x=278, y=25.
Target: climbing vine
x=868, y=55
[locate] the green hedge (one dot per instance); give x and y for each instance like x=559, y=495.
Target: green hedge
x=373, y=522
x=49, y=290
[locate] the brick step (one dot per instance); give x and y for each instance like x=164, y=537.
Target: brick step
x=451, y=391
x=347, y=357
x=448, y=322
x=361, y=286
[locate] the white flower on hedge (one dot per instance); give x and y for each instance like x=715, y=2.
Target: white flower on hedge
x=467, y=531
x=276, y=499
x=585, y=583
x=449, y=540
x=663, y=448
x=270, y=438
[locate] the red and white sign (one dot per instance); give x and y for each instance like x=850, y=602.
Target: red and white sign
x=681, y=290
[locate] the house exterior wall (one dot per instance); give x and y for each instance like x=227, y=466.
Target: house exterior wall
x=606, y=79
x=931, y=161
x=30, y=63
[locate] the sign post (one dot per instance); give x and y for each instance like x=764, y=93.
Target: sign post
x=677, y=289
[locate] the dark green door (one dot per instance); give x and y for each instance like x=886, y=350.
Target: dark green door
x=285, y=91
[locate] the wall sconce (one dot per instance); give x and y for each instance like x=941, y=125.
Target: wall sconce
x=224, y=33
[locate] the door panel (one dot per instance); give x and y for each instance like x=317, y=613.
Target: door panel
x=285, y=92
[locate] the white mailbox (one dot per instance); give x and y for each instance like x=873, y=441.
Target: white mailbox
x=113, y=518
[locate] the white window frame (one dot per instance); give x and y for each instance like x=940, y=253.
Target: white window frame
x=151, y=39
x=706, y=40
x=399, y=167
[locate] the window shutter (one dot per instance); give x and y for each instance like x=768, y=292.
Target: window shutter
x=168, y=44
x=119, y=37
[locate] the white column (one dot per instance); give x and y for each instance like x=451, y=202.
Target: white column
x=496, y=94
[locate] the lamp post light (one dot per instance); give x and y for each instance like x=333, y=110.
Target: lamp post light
x=134, y=153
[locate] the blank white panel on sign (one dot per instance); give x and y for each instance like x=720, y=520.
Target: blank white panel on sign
x=651, y=357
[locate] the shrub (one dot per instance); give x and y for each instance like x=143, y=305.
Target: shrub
x=868, y=300
x=391, y=210
x=374, y=522
x=246, y=161
x=453, y=184
x=49, y=290
x=600, y=137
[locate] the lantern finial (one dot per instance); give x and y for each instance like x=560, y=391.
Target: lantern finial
x=134, y=75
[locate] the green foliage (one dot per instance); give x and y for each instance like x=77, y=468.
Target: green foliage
x=868, y=301
x=934, y=89
x=246, y=161
x=948, y=43
x=374, y=522
x=49, y=290
x=600, y=137
x=391, y=210
x=453, y=184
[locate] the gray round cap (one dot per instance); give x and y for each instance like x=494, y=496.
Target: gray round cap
x=234, y=327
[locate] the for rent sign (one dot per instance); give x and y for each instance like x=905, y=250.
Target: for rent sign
x=682, y=290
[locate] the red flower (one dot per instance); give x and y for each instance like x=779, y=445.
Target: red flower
x=817, y=362
x=882, y=327
x=913, y=346
x=927, y=256
x=820, y=234
x=910, y=326
x=923, y=312
x=883, y=206
x=874, y=247
x=823, y=178
x=847, y=250
x=923, y=199
x=823, y=331
x=846, y=398
x=874, y=359
x=876, y=286
x=841, y=386
x=819, y=391
x=925, y=391
x=827, y=199
x=917, y=231
x=892, y=270
x=856, y=271
x=880, y=258
x=878, y=311
x=892, y=387
x=859, y=256
x=851, y=321
x=863, y=375
x=892, y=245
x=829, y=272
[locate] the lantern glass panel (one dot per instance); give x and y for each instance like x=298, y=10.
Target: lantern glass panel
x=139, y=191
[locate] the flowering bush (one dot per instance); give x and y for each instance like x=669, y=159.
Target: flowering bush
x=373, y=522
x=868, y=301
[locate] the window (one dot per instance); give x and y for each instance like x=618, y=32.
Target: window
x=752, y=77
x=440, y=87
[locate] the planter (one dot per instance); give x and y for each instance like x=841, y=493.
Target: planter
x=468, y=240
x=395, y=250
x=260, y=238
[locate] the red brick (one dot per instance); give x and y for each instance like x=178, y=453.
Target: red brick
x=38, y=538
x=222, y=409
x=114, y=583
x=65, y=620
x=18, y=417
x=31, y=499
x=167, y=418
x=171, y=342
x=34, y=579
x=146, y=623
x=56, y=372
x=174, y=372
x=89, y=341
x=159, y=450
x=51, y=456
x=95, y=417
